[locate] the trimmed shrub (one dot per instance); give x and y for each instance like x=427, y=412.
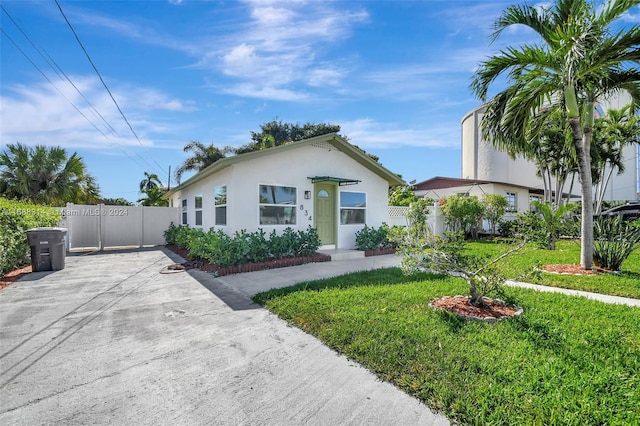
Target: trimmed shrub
x=370, y=238
x=223, y=250
x=16, y=218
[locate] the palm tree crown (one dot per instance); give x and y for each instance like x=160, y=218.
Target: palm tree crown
x=45, y=175
x=203, y=156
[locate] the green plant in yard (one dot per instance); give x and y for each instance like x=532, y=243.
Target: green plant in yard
x=463, y=213
x=370, y=238
x=614, y=241
x=495, y=206
x=16, y=218
x=217, y=247
x=447, y=255
x=554, y=219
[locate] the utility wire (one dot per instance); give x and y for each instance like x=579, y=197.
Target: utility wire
x=105, y=85
x=53, y=64
x=63, y=95
x=49, y=80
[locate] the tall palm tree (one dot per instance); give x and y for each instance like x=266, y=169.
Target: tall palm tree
x=203, y=156
x=579, y=60
x=150, y=181
x=612, y=133
x=45, y=175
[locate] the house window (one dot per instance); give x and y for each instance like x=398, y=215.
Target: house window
x=277, y=205
x=353, y=206
x=198, y=202
x=533, y=198
x=184, y=212
x=512, y=199
x=220, y=202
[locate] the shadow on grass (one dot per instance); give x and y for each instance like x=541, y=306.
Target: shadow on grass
x=384, y=276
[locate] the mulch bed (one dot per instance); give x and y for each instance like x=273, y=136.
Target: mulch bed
x=571, y=269
x=203, y=265
x=493, y=310
x=14, y=276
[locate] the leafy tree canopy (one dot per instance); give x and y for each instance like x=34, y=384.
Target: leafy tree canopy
x=276, y=133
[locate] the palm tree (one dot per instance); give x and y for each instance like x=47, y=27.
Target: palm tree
x=553, y=219
x=150, y=181
x=152, y=188
x=203, y=156
x=578, y=61
x=154, y=197
x=612, y=133
x=45, y=176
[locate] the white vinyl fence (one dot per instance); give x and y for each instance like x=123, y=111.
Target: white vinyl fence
x=435, y=222
x=100, y=227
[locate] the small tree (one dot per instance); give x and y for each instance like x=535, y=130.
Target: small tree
x=447, y=255
x=401, y=195
x=463, y=214
x=495, y=206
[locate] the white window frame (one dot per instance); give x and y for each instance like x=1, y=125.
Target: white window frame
x=197, y=209
x=513, y=206
x=344, y=210
x=185, y=215
x=217, y=206
x=284, y=206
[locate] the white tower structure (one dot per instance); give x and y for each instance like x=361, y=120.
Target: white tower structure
x=481, y=161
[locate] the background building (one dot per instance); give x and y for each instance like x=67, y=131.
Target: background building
x=481, y=161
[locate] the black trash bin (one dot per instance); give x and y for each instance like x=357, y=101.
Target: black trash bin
x=47, y=248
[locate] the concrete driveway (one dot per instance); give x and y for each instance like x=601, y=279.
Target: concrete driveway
x=111, y=340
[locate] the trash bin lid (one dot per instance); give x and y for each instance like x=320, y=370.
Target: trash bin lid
x=47, y=230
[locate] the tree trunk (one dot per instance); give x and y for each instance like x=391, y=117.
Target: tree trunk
x=582, y=144
x=475, y=298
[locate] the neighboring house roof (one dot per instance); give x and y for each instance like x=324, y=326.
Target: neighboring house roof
x=333, y=139
x=440, y=182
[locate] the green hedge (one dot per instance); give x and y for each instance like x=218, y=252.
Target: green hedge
x=370, y=238
x=15, y=219
x=242, y=247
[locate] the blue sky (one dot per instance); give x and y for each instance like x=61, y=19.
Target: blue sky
x=393, y=74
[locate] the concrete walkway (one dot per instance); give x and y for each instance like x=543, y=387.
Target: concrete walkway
x=112, y=340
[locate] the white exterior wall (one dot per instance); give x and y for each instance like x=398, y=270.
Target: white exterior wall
x=287, y=168
x=481, y=161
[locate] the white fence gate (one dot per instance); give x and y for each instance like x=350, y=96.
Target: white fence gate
x=100, y=227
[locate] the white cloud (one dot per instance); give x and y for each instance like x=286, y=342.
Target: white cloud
x=280, y=46
x=39, y=114
x=369, y=134
x=251, y=90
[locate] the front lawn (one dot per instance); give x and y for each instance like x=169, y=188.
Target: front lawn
x=566, y=360
x=626, y=283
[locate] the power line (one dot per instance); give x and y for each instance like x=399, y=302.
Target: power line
x=105, y=85
x=54, y=65
x=63, y=95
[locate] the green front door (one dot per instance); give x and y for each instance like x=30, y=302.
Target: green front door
x=325, y=212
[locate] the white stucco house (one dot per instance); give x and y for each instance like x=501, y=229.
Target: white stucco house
x=323, y=182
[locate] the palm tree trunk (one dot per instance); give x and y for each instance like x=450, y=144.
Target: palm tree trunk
x=582, y=144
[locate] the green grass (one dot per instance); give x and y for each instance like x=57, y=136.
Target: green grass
x=566, y=360
x=626, y=283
